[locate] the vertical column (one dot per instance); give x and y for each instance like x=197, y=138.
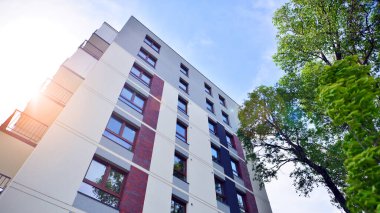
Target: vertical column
x=137, y=180
x=158, y=194
x=226, y=162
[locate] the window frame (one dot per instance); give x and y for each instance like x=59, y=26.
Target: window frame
x=179, y=202
x=213, y=123
x=237, y=172
x=184, y=83
x=243, y=207
x=222, y=101
x=211, y=104
x=217, y=150
x=142, y=72
x=102, y=185
x=148, y=55
x=179, y=174
x=124, y=124
x=181, y=137
x=208, y=89
x=221, y=197
x=152, y=43
x=230, y=143
x=184, y=70
x=130, y=102
x=184, y=102
x=225, y=116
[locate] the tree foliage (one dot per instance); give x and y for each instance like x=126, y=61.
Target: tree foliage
x=326, y=31
x=350, y=97
x=284, y=124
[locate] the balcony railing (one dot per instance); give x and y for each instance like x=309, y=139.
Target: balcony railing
x=24, y=127
x=56, y=92
x=4, y=180
x=95, y=46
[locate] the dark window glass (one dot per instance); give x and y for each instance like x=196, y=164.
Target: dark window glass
x=183, y=85
x=241, y=202
x=225, y=118
x=235, y=169
x=177, y=206
x=182, y=105
x=222, y=101
x=120, y=132
x=208, y=89
x=181, y=132
x=212, y=127
x=147, y=57
x=230, y=140
x=219, y=189
x=179, y=169
x=150, y=42
x=141, y=75
x=215, y=154
x=132, y=99
x=184, y=70
x=103, y=183
x=209, y=106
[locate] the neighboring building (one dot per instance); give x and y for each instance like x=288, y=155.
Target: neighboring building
x=126, y=124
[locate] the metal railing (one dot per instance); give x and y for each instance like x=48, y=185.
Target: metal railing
x=91, y=49
x=56, y=92
x=24, y=127
x=4, y=180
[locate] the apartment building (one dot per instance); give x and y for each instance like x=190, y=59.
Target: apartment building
x=126, y=125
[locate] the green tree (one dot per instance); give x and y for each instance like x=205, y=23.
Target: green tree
x=327, y=31
x=284, y=124
x=350, y=97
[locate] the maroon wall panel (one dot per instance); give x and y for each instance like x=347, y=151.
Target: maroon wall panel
x=152, y=108
x=251, y=201
x=134, y=192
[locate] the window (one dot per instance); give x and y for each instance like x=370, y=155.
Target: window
x=120, y=132
x=208, y=89
x=184, y=70
x=183, y=85
x=179, y=169
x=209, y=106
x=147, y=57
x=225, y=118
x=132, y=99
x=177, y=206
x=181, y=131
x=182, y=105
x=222, y=101
x=103, y=183
x=141, y=75
x=230, y=140
x=150, y=42
x=235, y=169
x=212, y=127
x=219, y=189
x=215, y=154
x=241, y=202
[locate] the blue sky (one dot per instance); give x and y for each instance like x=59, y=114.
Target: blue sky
x=231, y=42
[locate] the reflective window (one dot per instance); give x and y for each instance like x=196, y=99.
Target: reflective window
x=181, y=131
x=225, y=118
x=222, y=101
x=230, y=140
x=209, y=106
x=141, y=75
x=177, y=206
x=219, y=190
x=215, y=154
x=182, y=105
x=150, y=42
x=235, y=169
x=241, y=202
x=212, y=127
x=179, y=169
x=184, y=70
x=132, y=99
x=183, y=85
x=120, y=132
x=208, y=89
x=103, y=183
x=147, y=57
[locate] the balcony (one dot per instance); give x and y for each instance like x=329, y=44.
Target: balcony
x=4, y=180
x=56, y=92
x=24, y=128
x=95, y=46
